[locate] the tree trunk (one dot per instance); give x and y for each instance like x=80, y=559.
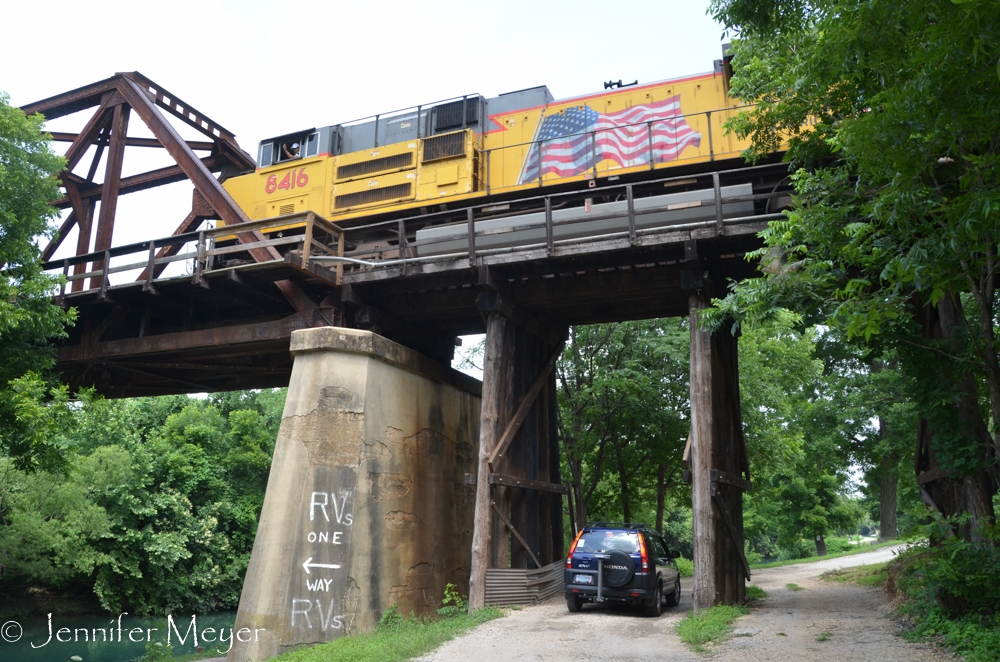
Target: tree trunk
x=623, y=494
x=887, y=483
x=661, y=491
x=887, y=507
x=820, y=546
x=488, y=434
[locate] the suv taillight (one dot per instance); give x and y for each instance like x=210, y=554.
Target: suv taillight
x=642, y=552
x=572, y=548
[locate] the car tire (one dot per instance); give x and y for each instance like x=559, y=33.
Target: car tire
x=656, y=607
x=574, y=604
x=674, y=598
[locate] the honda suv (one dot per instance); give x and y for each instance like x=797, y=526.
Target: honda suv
x=626, y=563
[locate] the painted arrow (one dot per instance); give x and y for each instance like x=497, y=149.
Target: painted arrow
x=307, y=565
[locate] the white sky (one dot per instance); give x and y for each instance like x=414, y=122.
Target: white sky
x=262, y=69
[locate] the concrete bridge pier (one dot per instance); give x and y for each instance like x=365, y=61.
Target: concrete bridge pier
x=367, y=503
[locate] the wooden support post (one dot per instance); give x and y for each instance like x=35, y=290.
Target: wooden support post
x=555, y=505
x=705, y=591
x=492, y=401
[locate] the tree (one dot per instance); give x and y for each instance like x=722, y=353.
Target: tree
x=156, y=506
x=28, y=318
x=889, y=111
x=623, y=415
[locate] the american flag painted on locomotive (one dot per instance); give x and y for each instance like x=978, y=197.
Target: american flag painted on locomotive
x=622, y=137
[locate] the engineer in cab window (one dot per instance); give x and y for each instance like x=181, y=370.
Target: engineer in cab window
x=290, y=150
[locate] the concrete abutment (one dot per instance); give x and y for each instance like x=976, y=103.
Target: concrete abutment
x=367, y=503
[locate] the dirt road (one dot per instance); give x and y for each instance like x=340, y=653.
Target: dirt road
x=785, y=626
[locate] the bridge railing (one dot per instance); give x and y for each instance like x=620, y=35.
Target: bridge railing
x=207, y=255
x=315, y=246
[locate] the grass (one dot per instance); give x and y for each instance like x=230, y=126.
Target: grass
x=754, y=593
x=400, y=641
x=873, y=574
x=708, y=626
x=794, y=587
x=861, y=550
x=823, y=636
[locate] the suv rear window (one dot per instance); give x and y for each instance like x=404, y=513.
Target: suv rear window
x=606, y=541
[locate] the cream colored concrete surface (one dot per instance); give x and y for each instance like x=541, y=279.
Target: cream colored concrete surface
x=366, y=503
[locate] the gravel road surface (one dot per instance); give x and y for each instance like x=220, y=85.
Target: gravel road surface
x=785, y=626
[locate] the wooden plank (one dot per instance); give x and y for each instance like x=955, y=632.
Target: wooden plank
x=516, y=534
x=522, y=410
x=719, y=476
x=489, y=414
x=730, y=529
x=523, y=483
x=312, y=269
x=931, y=476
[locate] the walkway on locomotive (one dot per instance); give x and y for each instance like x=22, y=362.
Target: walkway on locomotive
x=421, y=156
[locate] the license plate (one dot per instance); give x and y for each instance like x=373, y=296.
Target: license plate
x=583, y=579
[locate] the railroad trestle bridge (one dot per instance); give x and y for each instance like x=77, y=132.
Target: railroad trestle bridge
x=519, y=267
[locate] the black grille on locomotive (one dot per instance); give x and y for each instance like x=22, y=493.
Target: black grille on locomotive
x=449, y=115
x=372, y=196
x=444, y=146
x=373, y=166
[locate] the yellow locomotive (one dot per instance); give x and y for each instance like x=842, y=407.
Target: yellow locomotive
x=459, y=151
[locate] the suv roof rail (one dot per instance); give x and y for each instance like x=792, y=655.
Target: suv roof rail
x=618, y=525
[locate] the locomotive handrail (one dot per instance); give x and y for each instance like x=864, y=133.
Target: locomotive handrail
x=598, y=190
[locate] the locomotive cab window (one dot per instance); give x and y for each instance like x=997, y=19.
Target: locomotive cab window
x=289, y=150
x=266, y=155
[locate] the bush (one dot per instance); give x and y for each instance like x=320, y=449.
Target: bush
x=789, y=550
x=952, y=589
x=453, y=603
x=837, y=545
x=958, y=575
x=390, y=618
x=685, y=566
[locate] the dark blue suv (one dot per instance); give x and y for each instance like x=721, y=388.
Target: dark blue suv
x=627, y=563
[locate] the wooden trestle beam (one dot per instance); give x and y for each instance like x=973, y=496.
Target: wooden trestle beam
x=719, y=470
x=518, y=513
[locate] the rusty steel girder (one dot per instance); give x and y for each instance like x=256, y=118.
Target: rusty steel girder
x=115, y=101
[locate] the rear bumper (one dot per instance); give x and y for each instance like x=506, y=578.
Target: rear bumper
x=631, y=594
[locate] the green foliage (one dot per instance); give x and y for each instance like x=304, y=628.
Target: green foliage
x=795, y=548
x=860, y=550
x=405, y=640
x=390, y=617
x=794, y=587
x=754, y=593
x=888, y=111
x=685, y=566
x=156, y=506
x=156, y=651
x=950, y=592
x=874, y=574
x=961, y=576
x=708, y=626
x=622, y=415
x=453, y=603
x=28, y=318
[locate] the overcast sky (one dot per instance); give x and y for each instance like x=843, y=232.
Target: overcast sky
x=261, y=69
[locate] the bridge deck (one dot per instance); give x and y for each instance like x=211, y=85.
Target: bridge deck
x=226, y=326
